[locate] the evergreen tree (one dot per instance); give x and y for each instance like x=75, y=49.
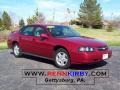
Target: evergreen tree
x=1, y=23
x=21, y=23
x=7, y=22
x=90, y=13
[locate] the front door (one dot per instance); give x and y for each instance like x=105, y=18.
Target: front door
x=42, y=47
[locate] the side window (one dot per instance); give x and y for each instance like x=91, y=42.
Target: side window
x=28, y=31
x=38, y=31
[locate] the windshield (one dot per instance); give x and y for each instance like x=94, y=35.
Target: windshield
x=62, y=31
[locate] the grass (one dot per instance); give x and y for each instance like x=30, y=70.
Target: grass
x=3, y=45
x=112, y=38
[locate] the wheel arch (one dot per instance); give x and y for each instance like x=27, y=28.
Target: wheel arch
x=58, y=47
x=14, y=42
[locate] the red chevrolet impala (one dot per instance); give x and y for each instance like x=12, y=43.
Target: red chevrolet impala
x=59, y=43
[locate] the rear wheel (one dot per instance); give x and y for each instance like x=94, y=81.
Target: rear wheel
x=16, y=50
x=62, y=59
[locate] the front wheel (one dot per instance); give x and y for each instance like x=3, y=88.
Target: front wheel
x=62, y=59
x=16, y=50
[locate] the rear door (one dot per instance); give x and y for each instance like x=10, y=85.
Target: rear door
x=26, y=39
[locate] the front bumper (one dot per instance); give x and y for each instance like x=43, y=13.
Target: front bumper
x=89, y=57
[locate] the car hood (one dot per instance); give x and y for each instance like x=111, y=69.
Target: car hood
x=85, y=41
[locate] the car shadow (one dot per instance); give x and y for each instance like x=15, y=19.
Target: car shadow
x=88, y=66
x=73, y=67
x=38, y=59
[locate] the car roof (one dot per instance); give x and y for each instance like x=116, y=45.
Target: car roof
x=44, y=25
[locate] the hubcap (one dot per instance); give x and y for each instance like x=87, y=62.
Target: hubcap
x=61, y=58
x=16, y=50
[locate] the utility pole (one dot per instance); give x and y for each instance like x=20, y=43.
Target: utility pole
x=68, y=15
x=53, y=15
x=74, y=14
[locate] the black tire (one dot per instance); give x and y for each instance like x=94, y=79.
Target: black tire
x=66, y=63
x=18, y=52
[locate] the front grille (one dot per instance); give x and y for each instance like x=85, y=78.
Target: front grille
x=103, y=48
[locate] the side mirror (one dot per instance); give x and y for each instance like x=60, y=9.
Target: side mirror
x=44, y=36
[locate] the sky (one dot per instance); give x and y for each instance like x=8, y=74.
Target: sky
x=24, y=8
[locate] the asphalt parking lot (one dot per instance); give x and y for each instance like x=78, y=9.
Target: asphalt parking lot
x=11, y=67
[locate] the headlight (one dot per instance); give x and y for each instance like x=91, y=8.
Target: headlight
x=86, y=49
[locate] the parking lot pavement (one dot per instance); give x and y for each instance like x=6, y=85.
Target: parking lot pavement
x=11, y=68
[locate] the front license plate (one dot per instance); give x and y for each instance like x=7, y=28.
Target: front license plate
x=105, y=56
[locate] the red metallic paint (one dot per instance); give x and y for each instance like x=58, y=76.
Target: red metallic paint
x=46, y=48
